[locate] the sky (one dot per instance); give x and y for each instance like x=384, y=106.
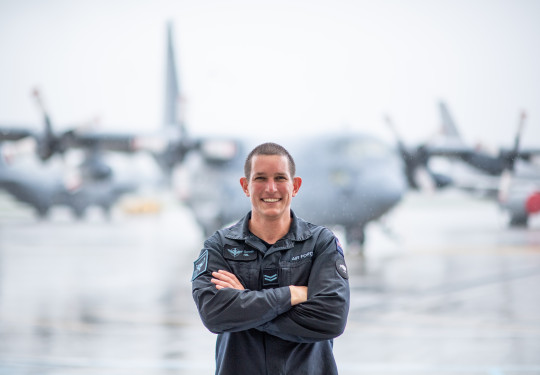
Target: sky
x=272, y=68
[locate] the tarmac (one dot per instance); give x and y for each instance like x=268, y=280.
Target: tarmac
x=443, y=286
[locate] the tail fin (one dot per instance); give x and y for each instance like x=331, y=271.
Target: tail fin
x=448, y=125
x=172, y=110
x=177, y=140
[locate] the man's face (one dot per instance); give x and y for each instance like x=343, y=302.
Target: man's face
x=270, y=187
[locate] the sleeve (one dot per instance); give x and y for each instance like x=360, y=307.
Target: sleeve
x=231, y=310
x=324, y=315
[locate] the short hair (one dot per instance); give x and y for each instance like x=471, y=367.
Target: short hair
x=269, y=148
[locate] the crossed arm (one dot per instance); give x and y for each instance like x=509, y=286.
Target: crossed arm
x=285, y=312
x=224, y=279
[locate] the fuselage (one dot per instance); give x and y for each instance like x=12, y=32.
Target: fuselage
x=348, y=180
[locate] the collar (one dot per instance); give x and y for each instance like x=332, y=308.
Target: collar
x=299, y=231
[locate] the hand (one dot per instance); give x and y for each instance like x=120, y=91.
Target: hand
x=224, y=279
x=298, y=294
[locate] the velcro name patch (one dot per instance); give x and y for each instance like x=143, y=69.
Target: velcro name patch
x=239, y=253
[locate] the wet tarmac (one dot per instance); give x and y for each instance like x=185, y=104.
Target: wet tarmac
x=444, y=287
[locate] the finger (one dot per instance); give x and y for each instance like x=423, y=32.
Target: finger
x=226, y=276
x=221, y=280
x=221, y=283
x=227, y=280
x=233, y=279
x=221, y=275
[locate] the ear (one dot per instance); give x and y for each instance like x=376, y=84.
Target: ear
x=297, y=182
x=244, y=184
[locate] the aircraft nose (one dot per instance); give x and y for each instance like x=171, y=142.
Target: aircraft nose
x=381, y=189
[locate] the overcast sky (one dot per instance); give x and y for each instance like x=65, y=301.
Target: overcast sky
x=278, y=66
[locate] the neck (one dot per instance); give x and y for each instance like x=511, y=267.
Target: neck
x=270, y=231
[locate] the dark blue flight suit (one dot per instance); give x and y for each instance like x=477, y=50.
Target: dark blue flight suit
x=259, y=333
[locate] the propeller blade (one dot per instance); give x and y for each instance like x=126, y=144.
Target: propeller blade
x=46, y=142
x=510, y=160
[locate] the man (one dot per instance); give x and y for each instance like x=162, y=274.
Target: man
x=273, y=287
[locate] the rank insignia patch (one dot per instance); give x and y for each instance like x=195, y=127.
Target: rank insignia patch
x=270, y=277
x=200, y=265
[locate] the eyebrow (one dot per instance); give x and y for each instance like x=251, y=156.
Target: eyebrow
x=264, y=174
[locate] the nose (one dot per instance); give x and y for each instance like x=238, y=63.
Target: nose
x=271, y=186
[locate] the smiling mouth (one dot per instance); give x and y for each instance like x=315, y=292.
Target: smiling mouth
x=271, y=200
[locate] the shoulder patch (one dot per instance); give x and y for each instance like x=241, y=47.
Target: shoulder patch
x=339, y=247
x=200, y=265
x=341, y=267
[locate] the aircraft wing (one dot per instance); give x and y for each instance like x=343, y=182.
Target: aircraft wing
x=450, y=151
x=463, y=150
x=103, y=141
x=482, y=161
x=491, y=164
x=14, y=134
x=523, y=153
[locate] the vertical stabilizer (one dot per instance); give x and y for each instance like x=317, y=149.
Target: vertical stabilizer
x=448, y=125
x=172, y=87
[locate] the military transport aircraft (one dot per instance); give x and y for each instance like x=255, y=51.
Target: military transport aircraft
x=511, y=177
x=92, y=183
x=349, y=179
x=43, y=188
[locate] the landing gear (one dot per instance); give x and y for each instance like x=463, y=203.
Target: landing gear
x=356, y=237
x=78, y=211
x=106, y=211
x=42, y=212
x=519, y=220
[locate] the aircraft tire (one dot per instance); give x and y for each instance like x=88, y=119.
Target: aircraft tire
x=42, y=212
x=79, y=212
x=356, y=235
x=519, y=221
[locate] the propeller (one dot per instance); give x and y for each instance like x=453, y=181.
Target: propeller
x=48, y=143
x=510, y=161
x=416, y=161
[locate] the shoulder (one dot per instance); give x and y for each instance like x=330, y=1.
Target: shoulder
x=223, y=239
x=320, y=232
x=303, y=230
x=324, y=237
x=233, y=232
x=214, y=239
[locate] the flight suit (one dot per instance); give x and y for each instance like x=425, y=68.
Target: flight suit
x=259, y=332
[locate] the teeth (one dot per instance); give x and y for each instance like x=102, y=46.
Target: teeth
x=271, y=200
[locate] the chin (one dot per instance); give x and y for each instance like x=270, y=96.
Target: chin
x=273, y=213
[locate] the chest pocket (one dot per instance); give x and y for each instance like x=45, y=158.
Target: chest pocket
x=295, y=272
x=244, y=265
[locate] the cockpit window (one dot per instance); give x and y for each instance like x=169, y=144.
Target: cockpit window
x=219, y=150
x=361, y=148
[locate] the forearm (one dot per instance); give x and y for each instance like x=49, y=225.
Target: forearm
x=324, y=315
x=309, y=322
x=231, y=310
